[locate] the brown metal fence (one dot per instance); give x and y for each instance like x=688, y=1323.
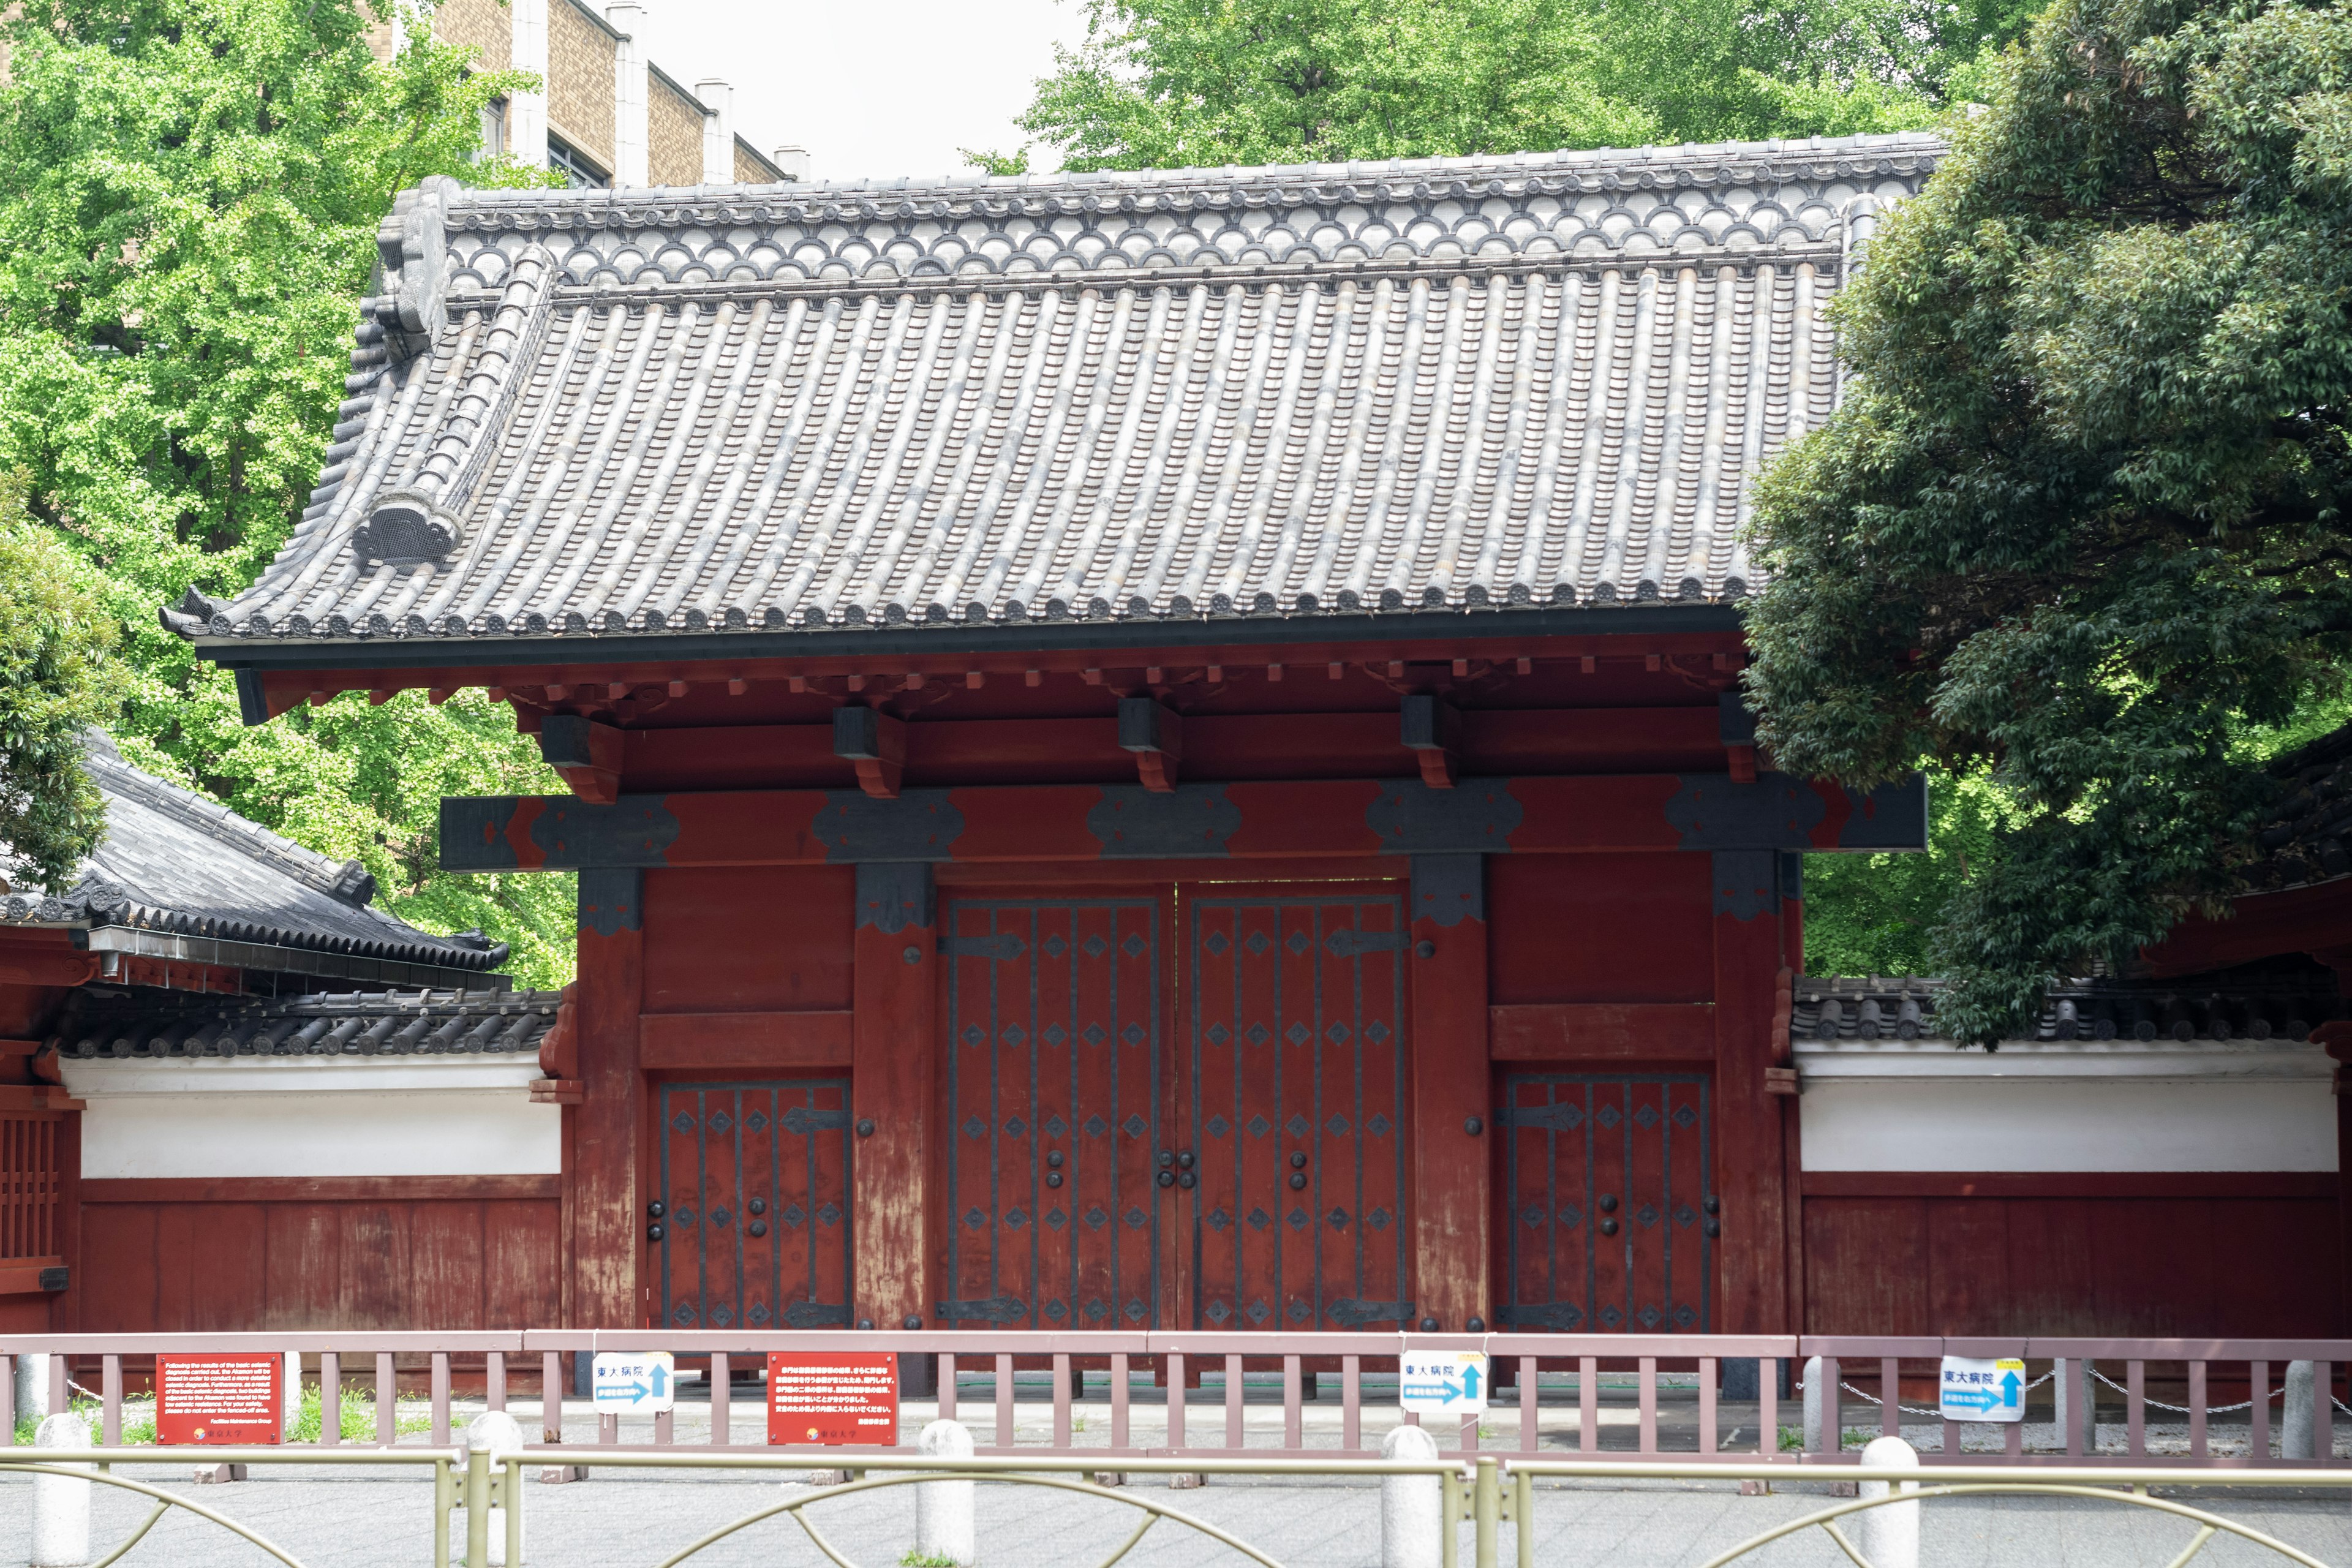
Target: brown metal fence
x=1204, y=1423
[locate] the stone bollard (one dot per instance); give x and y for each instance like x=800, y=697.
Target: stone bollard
x=1816, y=1402
x=2064, y=1392
x=31, y=1391
x=1413, y=1530
x=498, y=1434
x=61, y=1503
x=2298, y=1424
x=1889, y=1537
x=943, y=1509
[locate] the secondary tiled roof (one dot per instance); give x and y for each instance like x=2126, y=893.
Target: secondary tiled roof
x=1444, y=384
x=106, y=1022
x=174, y=861
x=2235, y=1007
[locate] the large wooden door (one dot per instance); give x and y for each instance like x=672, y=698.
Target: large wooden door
x=1053, y=1097
x=1610, y=1210
x=1293, y=1094
x=753, y=1189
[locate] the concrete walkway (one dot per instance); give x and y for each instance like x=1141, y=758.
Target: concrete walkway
x=624, y=1520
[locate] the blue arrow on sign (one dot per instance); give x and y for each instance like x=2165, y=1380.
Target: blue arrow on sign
x=2009, y=1388
x=1469, y=1382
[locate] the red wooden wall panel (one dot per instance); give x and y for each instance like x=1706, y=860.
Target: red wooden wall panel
x=449, y=1264
x=724, y=939
x=2112, y=1267
x=1599, y=927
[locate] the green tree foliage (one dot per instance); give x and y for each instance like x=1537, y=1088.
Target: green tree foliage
x=2078, y=519
x=1877, y=914
x=54, y=635
x=189, y=195
x=1168, y=83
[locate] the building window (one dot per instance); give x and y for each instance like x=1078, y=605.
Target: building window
x=494, y=131
x=578, y=171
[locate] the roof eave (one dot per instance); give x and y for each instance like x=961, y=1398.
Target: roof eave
x=1639, y=618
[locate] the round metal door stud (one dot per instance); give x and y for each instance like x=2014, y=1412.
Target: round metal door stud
x=1429, y=1325
x=1167, y=1160
x=1184, y=1161
x=911, y=1321
x=867, y=1323
x=866, y=1127
x=757, y=1229
x=1474, y=1126
x=1714, y=1228
x=1187, y=1179
x=1711, y=1204
x=656, y=1209
x=1299, y=1162
x=1167, y=1178
x=1052, y=1178
x=913, y=955
x=653, y=1233
x=758, y=1205
x=1608, y=1204
x=1054, y=1160
x=1424, y=950
x=1476, y=1325
x=1608, y=1227
x=1298, y=1181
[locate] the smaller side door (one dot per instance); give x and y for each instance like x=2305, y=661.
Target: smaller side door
x=1609, y=1215
x=753, y=1184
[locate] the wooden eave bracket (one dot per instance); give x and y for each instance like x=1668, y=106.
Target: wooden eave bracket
x=558, y=1091
x=1781, y=1080
x=1156, y=735
x=1430, y=725
x=876, y=743
x=585, y=753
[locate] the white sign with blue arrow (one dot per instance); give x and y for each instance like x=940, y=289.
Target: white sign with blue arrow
x=636, y=1383
x=1975, y=1389
x=1443, y=1383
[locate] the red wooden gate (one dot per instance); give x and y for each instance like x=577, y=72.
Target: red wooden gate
x=1295, y=1033
x=1052, y=1091
x=752, y=1210
x=1610, y=1214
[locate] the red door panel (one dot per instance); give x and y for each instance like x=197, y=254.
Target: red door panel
x=753, y=1189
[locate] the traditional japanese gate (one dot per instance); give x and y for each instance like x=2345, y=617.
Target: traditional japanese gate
x=1296, y=1034
x=751, y=1209
x=1052, y=1084
x=1610, y=1210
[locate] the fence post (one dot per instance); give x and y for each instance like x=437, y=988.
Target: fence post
x=2071, y=1385
x=31, y=1391
x=2296, y=1424
x=494, y=1435
x=1411, y=1506
x=1889, y=1536
x=1813, y=1404
x=293, y=1392
x=943, y=1509
x=61, y=1503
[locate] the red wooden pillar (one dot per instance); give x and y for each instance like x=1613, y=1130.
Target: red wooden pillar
x=893, y=1038
x=608, y=1221
x=1452, y=1271
x=1750, y=1172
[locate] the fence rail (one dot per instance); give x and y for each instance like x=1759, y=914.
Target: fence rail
x=1201, y=1423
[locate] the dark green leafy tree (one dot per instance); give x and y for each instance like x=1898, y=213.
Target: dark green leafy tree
x=54, y=636
x=189, y=194
x=2078, y=520
x=1167, y=83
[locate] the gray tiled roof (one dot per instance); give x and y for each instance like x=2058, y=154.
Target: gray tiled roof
x=362, y=1024
x=176, y=862
x=2224, y=1007
x=1454, y=384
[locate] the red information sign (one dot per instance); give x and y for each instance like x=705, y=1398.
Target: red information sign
x=219, y=1399
x=816, y=1397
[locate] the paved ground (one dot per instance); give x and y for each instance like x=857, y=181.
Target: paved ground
x=621, y=1520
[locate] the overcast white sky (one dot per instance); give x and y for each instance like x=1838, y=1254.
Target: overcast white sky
x=872, y=91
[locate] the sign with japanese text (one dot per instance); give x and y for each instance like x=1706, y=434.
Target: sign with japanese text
x=238, y=1399
x=642, y=1382
x=832, y=1397
x=1974, y=1389
x=1443, y=1383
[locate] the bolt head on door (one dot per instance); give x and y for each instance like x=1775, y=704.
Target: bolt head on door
x=1424, y=950
x=655, y=1210
x=866, y=1127
x=1608, y=1227
x=1429, y=1325
x=911, y=1321
x=653, y=1233
x=1474, y=1126
x=1298, y=1181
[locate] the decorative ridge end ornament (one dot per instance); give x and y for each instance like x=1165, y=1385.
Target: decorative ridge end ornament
x=412, y=245
x=406, y=528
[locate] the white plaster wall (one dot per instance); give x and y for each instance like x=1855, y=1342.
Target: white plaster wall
x=333, y=1117
x=2041, y=1123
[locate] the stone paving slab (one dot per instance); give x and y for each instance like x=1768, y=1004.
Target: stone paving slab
x=633, y=1520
